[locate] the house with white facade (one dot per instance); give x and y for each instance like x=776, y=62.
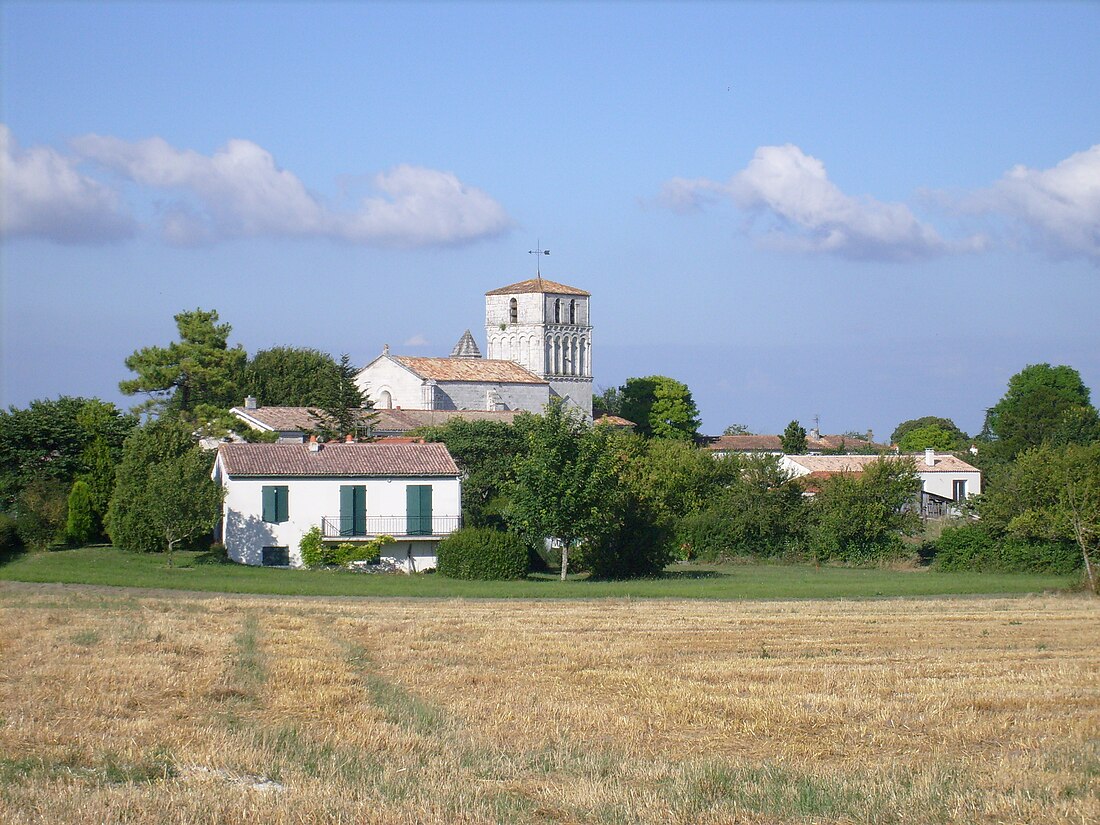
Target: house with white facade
x=945, y=478
x=275, y=493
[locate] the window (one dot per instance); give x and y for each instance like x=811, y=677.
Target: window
x=353, y=510
x=275, y=557
x=275, y=501
x=959, y=489
x=513, y=311
x=572, y=312
x=557, y=310
x=418, y=499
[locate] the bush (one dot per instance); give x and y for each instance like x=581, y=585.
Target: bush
x=10, y=543
x=482, y=553
x=971, y=547
x=638, y=549
x=80, y=524
x=708, y=536
x=315, y=553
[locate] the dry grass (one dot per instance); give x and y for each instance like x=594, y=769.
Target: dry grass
x=186, y=709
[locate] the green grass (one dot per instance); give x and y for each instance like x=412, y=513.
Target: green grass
x=196, y=571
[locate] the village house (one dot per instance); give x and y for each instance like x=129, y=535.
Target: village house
x=945, y=479
x=275, y=493
x=816, y=444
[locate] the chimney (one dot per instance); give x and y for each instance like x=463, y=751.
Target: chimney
x=930, y=457
x=314, y=445
x=250, y=402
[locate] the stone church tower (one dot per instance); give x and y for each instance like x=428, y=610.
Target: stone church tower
x=545, y=327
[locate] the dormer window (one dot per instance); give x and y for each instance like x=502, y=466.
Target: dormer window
x=572, y=312
x=513, y=311
x=557, y=310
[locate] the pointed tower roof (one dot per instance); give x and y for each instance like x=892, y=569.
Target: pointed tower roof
x=543, y=285
x=466, y=347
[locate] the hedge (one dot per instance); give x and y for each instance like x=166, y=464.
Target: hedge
x=482, y=553
x=970, y=547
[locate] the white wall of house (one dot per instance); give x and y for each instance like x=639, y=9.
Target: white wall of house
x=940, y=482
x=943, y=484
x=245, y=533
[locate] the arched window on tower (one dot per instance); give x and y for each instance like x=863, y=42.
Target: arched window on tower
x=513, y=311
x=572, y=312
x=557, y=310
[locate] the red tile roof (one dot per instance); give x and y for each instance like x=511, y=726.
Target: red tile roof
x=774, y=444
x=857, y=463
x=337, y=459
x=543, y=285
x=462, y=369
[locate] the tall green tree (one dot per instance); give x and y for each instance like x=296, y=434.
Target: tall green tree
x=793, y=440
x=1043, y=405
x=130, y=521
x=660, y=407
x=183, y=500
x=567, y=484
x=290, y=376
x=343, y=410
x=200, y=369
x=80, y=524
x=931, y=427
x=608, y=402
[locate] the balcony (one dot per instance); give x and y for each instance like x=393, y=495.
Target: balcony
x=400, y=527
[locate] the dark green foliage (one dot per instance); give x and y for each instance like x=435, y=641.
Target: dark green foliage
x=760, y=513
x=660, y=407
x=860, y=518
x=486, y=451
x=482, y=553
x=933, y=427
x=199, y=369
x=737, y=429
x=40, y=512
x=58, y=439
x=793, y=439
x=637, y=547
x=1043, y=405
x=608, y=402
x=674, y=478
x=342, y=409
x=128, y=517
x=182, y=500
x=10, y=543
x=971, y=547
x=290, y=376
x=80, y=527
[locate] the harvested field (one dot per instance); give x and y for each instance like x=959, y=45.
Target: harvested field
x=124, y=706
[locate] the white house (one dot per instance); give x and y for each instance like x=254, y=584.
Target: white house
x=274, y=494
x=945, y=479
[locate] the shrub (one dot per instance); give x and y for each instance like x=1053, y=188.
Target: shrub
x=80, y=524
x=482, y=553
x=315, y=553
x=42, y=510
x=640, y=548
x=971, y=547
x=9, y=537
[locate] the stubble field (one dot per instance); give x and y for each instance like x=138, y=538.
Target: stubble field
x=151, y=707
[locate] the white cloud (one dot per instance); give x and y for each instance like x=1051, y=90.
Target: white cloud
x=417, y=340
x=239, y=191
x=1058, y=209
x=42, y=194
x=804, y=210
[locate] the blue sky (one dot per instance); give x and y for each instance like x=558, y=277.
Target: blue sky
x=866, y=212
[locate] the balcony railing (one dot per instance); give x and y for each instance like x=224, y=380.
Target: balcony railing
x=345, y=527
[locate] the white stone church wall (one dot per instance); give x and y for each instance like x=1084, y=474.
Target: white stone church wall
x=385, y=375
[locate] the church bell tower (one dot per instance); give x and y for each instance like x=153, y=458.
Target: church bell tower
x=544, y=327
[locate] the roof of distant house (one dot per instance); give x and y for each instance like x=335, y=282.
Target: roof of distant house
x=301, y=420
x=461, y=369
x=543, y=285
x=337, y=459
x=832, y=464
x=614, y=421
x=774, y=444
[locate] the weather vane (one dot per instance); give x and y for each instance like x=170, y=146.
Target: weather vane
x=538, y=250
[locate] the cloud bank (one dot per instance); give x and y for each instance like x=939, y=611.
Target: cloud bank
x=1056, y=210
x=790, y=193
x=237, y=192
x=43, y=195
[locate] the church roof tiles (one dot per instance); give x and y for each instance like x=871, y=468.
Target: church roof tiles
x=471, y=369
x=543, y=285
x=466, y=347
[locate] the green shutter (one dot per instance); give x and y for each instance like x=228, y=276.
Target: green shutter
x=418, y=501
x=275, y=504
x=270, y=505
x=353, y=510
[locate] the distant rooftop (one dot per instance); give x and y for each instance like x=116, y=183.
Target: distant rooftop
x=466, y=347
x=544, y=285
x=469, y=369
